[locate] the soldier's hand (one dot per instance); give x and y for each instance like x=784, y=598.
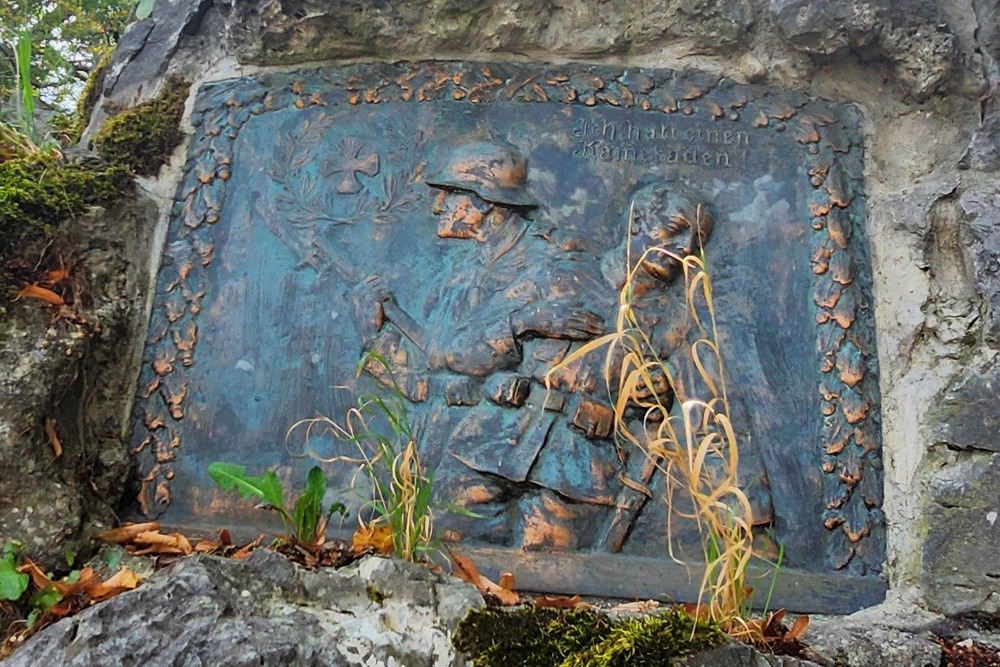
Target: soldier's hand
x=367, y=297
x=374, y=289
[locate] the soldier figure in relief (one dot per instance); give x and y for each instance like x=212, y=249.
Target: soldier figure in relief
x=457, y=358
x=580, y=469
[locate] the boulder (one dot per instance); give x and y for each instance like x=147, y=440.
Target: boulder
x=266, y=611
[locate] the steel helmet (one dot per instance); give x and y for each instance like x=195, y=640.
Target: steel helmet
x=494, y=172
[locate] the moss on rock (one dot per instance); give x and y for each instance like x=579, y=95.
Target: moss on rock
x=37, y=192
x=650, y=641
x=89, y=96
x=528, y=636
x=538, y=637
x=142, y=138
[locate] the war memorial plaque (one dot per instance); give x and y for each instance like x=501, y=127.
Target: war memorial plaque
x=468, y=223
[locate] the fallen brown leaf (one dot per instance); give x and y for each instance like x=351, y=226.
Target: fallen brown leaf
x=467, y=571
x=158, y=543
x=699, y=611
x=798, y=628
x=558, y=601
x=36, y=291
x=506, y=581
x=244, y=552
x=67, y=589
x=38, y=577
x=122, y=580
x=50, y=431
x=127, y=533
x=368, y=538
x=207, y=546
x=54, y=276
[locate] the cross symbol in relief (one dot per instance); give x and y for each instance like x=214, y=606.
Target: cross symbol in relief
x=351, y=164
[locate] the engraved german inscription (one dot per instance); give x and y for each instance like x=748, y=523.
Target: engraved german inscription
x=659, y=143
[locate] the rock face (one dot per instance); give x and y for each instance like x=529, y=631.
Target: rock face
x=861, y=643
x=266, y=611
x=911, y=35
x=960, y=551
x=69, y=379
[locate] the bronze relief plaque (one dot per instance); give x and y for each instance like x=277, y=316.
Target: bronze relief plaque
x=468, y=222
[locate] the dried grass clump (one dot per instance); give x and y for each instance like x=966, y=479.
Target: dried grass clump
x=693, y=442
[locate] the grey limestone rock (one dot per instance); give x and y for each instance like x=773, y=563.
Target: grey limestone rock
x=78, y=375
x=960, y=571
x=860, y=643
x=300, y=30
x=967, y=416
x=266, y=611
x=984, y=149
x=981, y=207
x=145, y=49
x=909, y=34
x=739, y=655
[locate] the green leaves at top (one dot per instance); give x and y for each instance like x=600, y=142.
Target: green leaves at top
x=68, y=37
x=309, y=506
x=306, y=524
x=144, y=9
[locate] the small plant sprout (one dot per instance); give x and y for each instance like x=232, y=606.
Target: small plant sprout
x=401, y=487
x=12, y=582
x=305, y=525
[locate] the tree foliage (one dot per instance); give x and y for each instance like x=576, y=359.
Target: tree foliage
x=67, y=37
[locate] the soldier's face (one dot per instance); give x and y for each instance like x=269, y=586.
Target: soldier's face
x=671, y=241
x=460, y=215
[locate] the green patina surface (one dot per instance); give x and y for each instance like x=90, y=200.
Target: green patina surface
x=143, y=137
x=538, y=637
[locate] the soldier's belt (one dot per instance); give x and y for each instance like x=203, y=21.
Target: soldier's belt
x=594, y=418
x=508, y=390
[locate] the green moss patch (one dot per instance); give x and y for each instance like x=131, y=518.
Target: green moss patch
x=651, y=641
x=537, y=637
x=88, y=97
x=142, y=138
x=40, y=191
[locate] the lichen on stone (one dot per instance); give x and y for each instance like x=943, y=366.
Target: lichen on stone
x=143, y=137
x=540, y=637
